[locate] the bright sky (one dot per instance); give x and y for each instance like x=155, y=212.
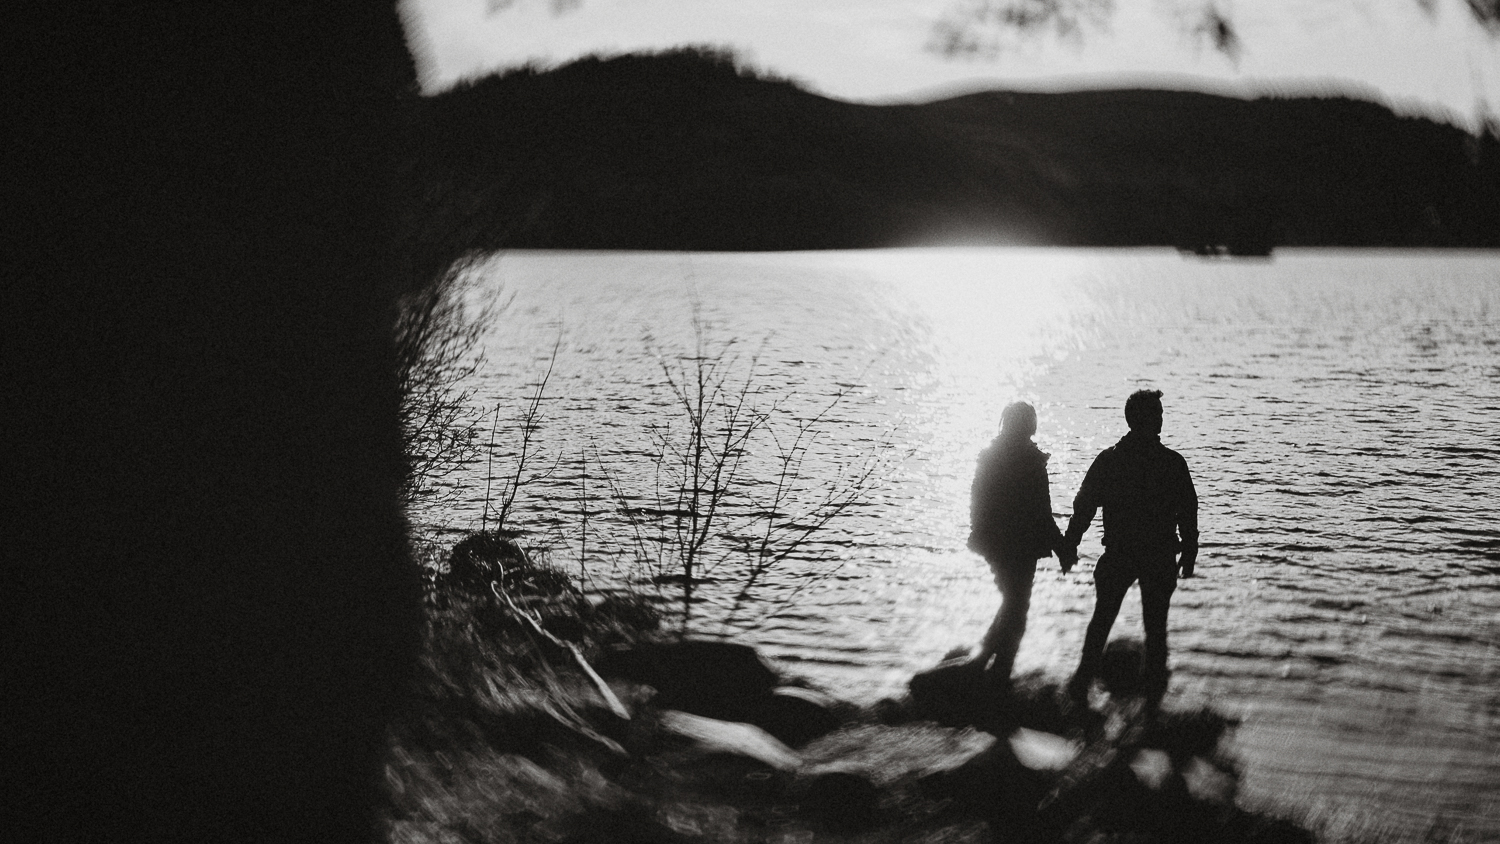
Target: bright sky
x=1438, y=62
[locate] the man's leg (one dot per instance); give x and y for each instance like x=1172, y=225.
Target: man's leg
x=1112, y=580
x=1015, y=578
x=1156, y=597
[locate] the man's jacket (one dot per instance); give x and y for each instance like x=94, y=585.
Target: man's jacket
x=1147, y=495
x=1010, y=510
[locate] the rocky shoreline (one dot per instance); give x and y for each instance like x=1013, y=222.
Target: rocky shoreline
x=613, y=732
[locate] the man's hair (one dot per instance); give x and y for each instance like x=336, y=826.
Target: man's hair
x=1142, y=405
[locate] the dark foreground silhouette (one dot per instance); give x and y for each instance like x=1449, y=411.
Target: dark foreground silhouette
x=205, y=602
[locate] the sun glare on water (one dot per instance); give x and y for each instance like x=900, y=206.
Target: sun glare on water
x=996, y=319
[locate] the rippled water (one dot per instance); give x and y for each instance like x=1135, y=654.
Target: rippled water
x=1336, y=408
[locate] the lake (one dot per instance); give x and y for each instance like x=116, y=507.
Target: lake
x=1337, y=409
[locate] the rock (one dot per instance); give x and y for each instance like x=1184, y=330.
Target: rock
x=744, y=740
x=891, y=711
x=634, y=613
x=1101, y=769
x=729, y=760
x=635, y=697
x=1185, y=735
x=796, y=715
x=493, y=557
x=715, y=775
x=860, y=764
x=1207, y=782
x=1152, y=767
x=1039, y=751
x=888, y=754
x=956, y=693
x=844, y=799
x=1039, y=704
x=977, y=782
x=714, y=679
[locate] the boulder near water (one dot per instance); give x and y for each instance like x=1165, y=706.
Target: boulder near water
x=726, y=681
x=712, y=735
x=797, y=715
x=704, y=677
x=957, y=693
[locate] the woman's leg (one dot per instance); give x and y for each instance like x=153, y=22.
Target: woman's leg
x=1015, y=579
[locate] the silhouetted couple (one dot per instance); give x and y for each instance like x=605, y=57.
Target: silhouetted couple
x=1150, y=534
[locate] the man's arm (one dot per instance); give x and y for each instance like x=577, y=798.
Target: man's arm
x=1085, y=505
x=1187, y=523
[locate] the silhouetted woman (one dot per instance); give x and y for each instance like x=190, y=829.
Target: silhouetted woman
x=1010, y=525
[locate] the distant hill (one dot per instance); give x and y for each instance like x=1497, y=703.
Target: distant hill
x=685, y=150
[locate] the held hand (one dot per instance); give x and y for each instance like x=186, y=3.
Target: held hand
x=1068, y=557
x=1187, y=561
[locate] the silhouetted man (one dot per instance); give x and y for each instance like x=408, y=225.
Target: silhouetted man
x=1148, y=500
x=1010, y=516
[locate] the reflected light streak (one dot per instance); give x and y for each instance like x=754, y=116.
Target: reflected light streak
x=997, y=320
x=991, y=323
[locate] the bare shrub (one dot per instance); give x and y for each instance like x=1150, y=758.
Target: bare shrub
x=731, y=487
x=438, y=333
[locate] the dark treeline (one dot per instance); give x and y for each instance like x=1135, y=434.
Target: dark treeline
x=687, y=150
